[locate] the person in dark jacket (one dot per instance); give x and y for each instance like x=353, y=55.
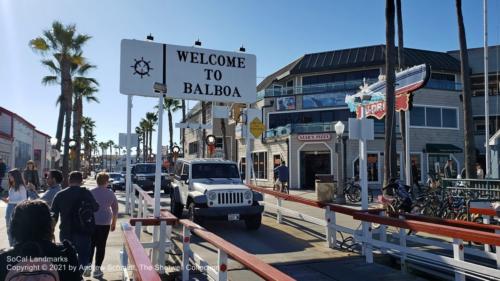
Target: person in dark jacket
x=33, y=230
x=31, y=175
x=3, y=170
x=64, y=204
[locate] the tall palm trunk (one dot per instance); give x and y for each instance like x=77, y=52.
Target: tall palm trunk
x=145, y=145
x=110, y=158
x=469, y=150
x=170, y=129
x=183, y=132
x=77, y=125
x=60, y=121
x=224, y=141
x=203, y=121
x=68, y=93
x=150, y=145
x=390, y=124
x=402, y=116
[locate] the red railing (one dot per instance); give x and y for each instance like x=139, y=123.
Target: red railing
x=455, y=223
x=433, y=228
x=253, y=263
x=142, y=267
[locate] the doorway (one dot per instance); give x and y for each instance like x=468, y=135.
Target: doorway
x=312, y=163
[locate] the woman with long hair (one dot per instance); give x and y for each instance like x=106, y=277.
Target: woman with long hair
x=31, y=175
x=33, y=230
x=17, y=194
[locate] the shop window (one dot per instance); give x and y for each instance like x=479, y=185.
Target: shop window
x=260, y=165
x=193, y=147
x=372, y=167
x=436, y=163
x=434, y=117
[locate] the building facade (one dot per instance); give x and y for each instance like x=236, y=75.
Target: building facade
x=302, y=101
x=20, y=142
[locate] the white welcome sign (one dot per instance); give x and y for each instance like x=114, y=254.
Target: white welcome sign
x=188, y=72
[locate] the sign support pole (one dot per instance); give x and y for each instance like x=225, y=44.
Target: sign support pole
x=409, y=176
x=158, y=158
x=128, y=187
x=248, y=157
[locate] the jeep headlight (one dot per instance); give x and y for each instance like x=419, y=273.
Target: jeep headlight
x=211, y=196
x=248, y=195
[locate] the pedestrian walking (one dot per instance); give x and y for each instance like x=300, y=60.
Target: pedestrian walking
x=76, y=206
x=105, y=220
x=282, y=173
x=31, y=175
x=448, y=169
x=54, y=179
x=3, y=170
x=17, y=194
x=33, y=230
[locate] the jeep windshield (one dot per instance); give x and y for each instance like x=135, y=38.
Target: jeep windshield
x=144, y=169
x=214, y=171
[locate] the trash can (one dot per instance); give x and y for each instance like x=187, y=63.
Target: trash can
x=325, y=187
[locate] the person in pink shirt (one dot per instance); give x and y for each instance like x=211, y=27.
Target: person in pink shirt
x=105, y=220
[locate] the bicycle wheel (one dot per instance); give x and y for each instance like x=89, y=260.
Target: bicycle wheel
x=354, y=193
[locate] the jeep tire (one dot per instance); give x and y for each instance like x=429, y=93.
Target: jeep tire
x=253, y=222
x=191, y=214
x=175, y=207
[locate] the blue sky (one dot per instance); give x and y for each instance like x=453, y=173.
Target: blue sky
x=277, y=32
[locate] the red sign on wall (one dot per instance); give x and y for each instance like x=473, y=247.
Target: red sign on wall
x=377, y=109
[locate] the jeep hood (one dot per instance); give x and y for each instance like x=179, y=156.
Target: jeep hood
x=219, y=186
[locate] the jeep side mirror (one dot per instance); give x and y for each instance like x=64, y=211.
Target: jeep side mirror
x=184, y=177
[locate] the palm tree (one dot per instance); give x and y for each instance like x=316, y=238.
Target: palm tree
x=83, y=88
x=402, y=116
x=88, y=126
x=390, y=124
x=144, y=128
x=64, y=45
x=171, y=105
x=151, y=119
x=183, y=131
x=140, y=136
x=104, y=147
x=203, y=121
x=110, y=144
x=469, y=150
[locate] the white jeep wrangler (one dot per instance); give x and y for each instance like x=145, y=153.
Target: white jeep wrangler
x=213, y=189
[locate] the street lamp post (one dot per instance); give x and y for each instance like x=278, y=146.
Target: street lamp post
x=339, y=131
x=53, y=143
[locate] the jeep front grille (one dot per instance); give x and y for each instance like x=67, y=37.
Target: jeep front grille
x=230, y=198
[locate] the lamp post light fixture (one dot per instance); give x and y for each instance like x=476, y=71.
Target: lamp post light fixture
x=339, y=131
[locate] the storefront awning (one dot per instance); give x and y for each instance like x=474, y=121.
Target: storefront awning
x=442, y=148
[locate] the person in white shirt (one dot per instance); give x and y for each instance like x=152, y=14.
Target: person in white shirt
x=17, y=194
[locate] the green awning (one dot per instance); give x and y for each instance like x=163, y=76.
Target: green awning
x=442, y=148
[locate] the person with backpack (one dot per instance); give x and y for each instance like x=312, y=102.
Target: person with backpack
x=105, y=220
x=35, y=256
x=76, y=206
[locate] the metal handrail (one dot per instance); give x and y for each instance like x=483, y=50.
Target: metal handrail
x=255, y=264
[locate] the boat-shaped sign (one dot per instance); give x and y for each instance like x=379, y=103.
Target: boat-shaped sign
x=372, y=97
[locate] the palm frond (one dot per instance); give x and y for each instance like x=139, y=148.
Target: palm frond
x=50, y=80
x=51, y=65
x=79, y=41
x=39, y=44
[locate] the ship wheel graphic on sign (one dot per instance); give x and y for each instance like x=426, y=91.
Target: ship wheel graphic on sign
x=142, y=67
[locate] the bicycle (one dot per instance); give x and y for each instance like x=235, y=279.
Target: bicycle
x=352, y=190
x=283, y=188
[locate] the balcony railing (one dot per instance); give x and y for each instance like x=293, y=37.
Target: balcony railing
x=344, y=86
x=305, y=128
x=443, y=85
